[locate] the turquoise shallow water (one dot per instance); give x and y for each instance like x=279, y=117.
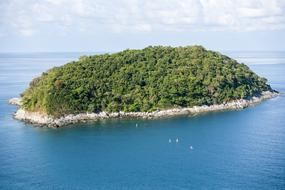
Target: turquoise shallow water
x=231, y=150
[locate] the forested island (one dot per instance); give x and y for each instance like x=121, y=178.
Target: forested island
x=142, y=81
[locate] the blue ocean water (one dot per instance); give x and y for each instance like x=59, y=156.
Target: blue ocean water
x=230, y=150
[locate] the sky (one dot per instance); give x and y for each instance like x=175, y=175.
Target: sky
x=114, y=25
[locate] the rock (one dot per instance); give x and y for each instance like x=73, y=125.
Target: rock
x=42, y=119
x=15, y=101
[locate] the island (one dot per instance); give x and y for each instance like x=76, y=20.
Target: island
x=156, y=81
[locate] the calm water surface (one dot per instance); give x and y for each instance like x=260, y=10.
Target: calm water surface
x=231, y=150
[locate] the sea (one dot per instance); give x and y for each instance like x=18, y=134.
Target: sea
x=242, y=149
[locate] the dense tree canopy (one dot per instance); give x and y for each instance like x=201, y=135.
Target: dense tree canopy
x=142, y=80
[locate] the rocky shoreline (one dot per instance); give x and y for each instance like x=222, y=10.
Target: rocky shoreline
x=49, y=121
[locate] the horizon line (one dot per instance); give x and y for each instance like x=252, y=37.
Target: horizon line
x=115, y=51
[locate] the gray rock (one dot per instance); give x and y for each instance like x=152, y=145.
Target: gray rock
x=42, y=119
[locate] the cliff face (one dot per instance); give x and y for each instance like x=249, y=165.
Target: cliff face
x=154, y=78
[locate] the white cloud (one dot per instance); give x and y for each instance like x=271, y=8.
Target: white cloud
x=42, y=12
x=27, y=17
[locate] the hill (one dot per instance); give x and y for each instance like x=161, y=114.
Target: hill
x=144, y=80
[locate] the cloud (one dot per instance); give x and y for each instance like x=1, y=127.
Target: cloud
x=27, y=17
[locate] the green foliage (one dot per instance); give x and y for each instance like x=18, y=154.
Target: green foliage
x=142, y=80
